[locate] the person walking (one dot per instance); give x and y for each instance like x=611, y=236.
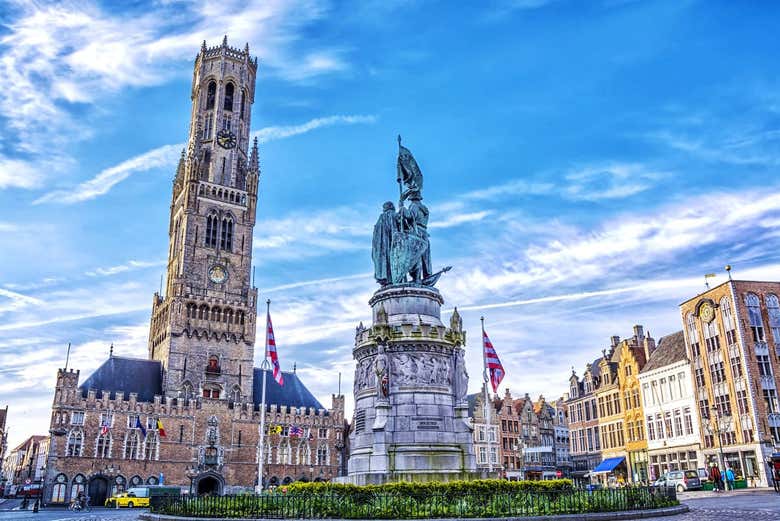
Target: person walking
x=730, y=478
x=715, y=477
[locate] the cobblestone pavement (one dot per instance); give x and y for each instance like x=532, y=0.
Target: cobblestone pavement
x=762, y=505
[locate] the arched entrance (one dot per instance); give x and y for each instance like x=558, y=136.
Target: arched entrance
x=209, y=485
x=97, y=490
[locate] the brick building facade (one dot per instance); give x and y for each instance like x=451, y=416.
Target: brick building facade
x=198, y=381
x=732, y=335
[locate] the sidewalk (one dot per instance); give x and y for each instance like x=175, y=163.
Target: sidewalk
x=700, y=494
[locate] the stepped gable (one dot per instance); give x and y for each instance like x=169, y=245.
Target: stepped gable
x=128, y=375
x=292, y=394
x=671, y=349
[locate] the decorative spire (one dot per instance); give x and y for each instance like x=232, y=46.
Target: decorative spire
x=224, y=41
x=203, y=47
x=254, y=157
x=246, y=48
x=111, y=350
x=295, y=367
x=180, y=168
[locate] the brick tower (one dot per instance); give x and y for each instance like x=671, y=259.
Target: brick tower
x=203, y=329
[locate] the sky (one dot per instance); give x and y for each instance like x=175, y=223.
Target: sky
x=585, y=163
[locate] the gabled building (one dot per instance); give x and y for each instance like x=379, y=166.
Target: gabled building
x=486, y=439
x=672, y=424
x=563, y=462
x=3, y=442
x=585, y=445
x=732, y=335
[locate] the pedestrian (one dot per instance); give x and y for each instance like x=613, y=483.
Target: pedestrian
x=715, y=478
x=730, y=478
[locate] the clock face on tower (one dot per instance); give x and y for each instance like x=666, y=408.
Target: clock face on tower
x=226, y=139
x=218, y=274
x=707, y=312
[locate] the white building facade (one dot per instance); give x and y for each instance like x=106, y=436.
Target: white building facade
x=672, y=421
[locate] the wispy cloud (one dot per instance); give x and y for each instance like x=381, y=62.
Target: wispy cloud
x=166, y=157
x=121, y=268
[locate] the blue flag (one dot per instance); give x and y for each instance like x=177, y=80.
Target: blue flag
x=139, y=426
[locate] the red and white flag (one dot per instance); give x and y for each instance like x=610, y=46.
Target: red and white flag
x=493, y=366
x=270, y=351
x=104, y=427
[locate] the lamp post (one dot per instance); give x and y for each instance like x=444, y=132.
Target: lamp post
x=718, y=429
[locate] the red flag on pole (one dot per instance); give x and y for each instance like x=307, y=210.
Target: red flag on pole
x=492, y=363
x=270, y=350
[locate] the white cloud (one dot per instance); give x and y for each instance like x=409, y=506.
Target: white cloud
x=167, y=156
x=17, y=173
x=121, y=268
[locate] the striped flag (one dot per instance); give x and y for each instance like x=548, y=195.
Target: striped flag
x=104, y=427
x=493, y=365
x=270, y=351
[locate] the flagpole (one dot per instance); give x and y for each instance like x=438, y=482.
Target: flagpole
x=264, y=367
x=487, y=398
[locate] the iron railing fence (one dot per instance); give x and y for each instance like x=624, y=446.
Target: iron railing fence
x=369, y=505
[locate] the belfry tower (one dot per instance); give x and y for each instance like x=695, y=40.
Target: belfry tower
x=203, y=329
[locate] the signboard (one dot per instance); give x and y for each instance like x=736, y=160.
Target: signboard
x=428, y=423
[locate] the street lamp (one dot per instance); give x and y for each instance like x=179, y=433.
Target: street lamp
x=720, y=424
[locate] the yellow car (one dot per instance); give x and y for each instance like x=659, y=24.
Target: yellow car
x=127, y=499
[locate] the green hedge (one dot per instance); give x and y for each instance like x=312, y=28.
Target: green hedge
x=409, y=488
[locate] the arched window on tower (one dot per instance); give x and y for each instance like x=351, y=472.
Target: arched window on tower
x=211, y=94
x=103, y=446
x=75, y=443
x=226, y=242
x=729, y=324
x=235, y=394
x=152, y=446
x=211, y=231
x=132, y=444
x=773, y=310
x=229, y=89
x=227, y=316
x=243, y=103
x=203, y=312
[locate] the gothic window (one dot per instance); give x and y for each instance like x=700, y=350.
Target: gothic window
x=284, y=453
x=186, y=390
x=227, y=316
x=226, y=242
x=728, y=321
x=212, y=221
x=229, y=89
x=78, y=485
x=207, y=125
x=136, y=481
x=304, y=454
x=711, y=338
x=322, y=455
x=211, y=94
x=754, y=315
x=203, y=312
x=243, y=103
x=693, y=335
x=103, y=446
x=58, y=488
x=216, y=314
x=132, y=444
x=235, y=394
x=75, y=443
x=206, y=165
x=192, y=310
x=773, y=310
x=152, y=446
x=211, y=392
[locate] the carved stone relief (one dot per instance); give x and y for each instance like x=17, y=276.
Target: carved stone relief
x=421, y=369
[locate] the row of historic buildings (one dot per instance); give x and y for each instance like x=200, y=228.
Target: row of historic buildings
x=706, y=394
x=520, y=438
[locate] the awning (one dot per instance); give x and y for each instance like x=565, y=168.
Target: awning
x=608, y=465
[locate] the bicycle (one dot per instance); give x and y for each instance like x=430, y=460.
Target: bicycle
x=78, y=506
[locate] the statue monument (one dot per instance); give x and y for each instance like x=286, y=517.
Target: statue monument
x=411, y=413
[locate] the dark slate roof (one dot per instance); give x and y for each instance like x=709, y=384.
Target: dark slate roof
x=293, y=393
x=671, y=349
x=130, y=375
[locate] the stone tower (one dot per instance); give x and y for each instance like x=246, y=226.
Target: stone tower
x=203, y=329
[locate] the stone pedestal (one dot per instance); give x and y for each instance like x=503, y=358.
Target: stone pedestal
x=411, y=415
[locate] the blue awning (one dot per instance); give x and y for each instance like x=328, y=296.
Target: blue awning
x=608, y=465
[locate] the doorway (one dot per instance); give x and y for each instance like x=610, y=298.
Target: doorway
x=97, y=490
x=209, y=486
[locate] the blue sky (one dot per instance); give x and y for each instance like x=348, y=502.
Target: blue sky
x=586, y=163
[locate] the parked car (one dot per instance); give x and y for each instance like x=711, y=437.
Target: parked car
x=680, y=479
x=127, y=499
x=704, y=476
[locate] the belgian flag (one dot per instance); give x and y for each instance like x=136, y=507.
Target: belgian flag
x=160, y=428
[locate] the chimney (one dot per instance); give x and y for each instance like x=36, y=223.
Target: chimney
x=639, y=332
x=615, y=340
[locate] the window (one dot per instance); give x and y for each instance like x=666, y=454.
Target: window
x=304, y=454
x=77, y=418
x=132, y=419
x=773, y=310
x=483, y=455
x=723, y=404
x=688, y=420
x=650, y=428
x=668, y=422
x=678, y=427
x=322, y=455
x=659, y=426
x=729, y=325
x=207, y=126
x=243, y=103
x=211, y=231
x=770, y=399
x=211, y=393
x=152, y=445
x=754, y=316
x=742, y=402
x=283, y=454
x=693, y=335
x=699, y=376
x=107, y=419
x=736, y=365
x=764, y=366
x=717, y=373
x=711, y=338
x=58, y=488
x=704, y=408
x=132, y=444
x=211, y=94
x=323, y=433
x=75, y=443
x=226, y=242
x=78, y=486
x=103, y=446
x=229, y=90
x=235, y=395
